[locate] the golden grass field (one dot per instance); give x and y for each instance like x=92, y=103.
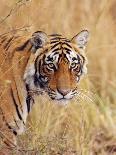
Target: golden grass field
x=87, y=125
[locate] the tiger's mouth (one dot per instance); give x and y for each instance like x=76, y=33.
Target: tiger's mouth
x=62, y=95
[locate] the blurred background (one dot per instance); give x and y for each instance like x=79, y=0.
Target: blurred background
x=68, y=17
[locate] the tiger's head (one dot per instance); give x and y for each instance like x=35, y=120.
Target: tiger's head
x=57, y=64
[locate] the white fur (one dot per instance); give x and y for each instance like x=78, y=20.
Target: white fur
x=82, y=38
x=29, y=76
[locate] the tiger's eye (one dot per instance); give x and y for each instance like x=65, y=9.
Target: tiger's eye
x=50, y=65
x=73, y=65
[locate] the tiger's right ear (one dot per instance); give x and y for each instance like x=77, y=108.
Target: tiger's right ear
x=38, y=40
x=81, y=39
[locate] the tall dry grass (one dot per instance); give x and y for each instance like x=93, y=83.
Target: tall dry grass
x=87, y=125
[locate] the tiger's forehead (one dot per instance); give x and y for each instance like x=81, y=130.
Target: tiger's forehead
x=60, y=45
x=57, y=38
x=60, y=48
x=58, y=41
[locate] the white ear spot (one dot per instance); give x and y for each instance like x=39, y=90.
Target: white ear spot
x=81, y=39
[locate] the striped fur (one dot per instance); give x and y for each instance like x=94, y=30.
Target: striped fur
x=34, y=64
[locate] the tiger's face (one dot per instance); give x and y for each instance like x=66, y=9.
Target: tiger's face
x=59, y=65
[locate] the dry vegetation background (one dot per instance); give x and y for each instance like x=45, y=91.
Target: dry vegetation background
x=86, y=126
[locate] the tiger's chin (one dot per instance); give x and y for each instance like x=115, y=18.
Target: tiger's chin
x=62, y=101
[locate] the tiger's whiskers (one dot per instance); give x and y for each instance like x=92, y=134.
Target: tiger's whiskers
x=84, y=95
x=36, y=92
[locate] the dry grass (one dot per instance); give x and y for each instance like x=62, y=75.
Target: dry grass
x=87, y=125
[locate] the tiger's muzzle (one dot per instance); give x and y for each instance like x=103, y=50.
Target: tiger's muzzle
x=64, y=94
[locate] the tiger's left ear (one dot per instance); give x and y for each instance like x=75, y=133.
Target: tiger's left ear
x=38, y=40
x=81, y=39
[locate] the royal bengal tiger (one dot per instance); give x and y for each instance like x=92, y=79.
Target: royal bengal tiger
x=34, y=64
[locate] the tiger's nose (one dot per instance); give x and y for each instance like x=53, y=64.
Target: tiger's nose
x=63, y=91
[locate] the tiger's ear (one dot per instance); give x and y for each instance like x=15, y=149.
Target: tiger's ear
x=38, y=40
x=81, y=39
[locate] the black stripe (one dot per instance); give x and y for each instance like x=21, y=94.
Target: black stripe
x=35, y=75
x=53, y=35
x=29, y=99
x=8, y=42
x=62, y=38
x=22, y=47
x=16, y=123
x=13, y=38
x=14, y=132
x=60, y=55
x=9, y=127
x=16, y=106
x=39, y=66
x=19, y=101
x=59, y=38
x=55, y=50
x=3, y=36
x=49, y=58
x=52, y=42
x=36, y=81
x=82, y=58
x=68, y=45
x=30, y=49
x=67, y=49
x=68, y=52
x=36, y=64
x=67, y=40
x=54, y=45
x=55, y=53
x=3, y=40
x=56, y=38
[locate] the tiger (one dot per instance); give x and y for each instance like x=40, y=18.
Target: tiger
x=35, y=64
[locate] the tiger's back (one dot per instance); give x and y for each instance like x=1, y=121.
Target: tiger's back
x=12, y=89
